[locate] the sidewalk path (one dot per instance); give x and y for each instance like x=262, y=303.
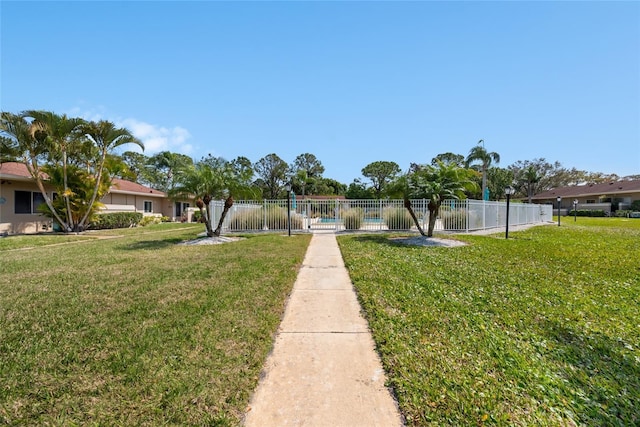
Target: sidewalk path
x=323, y=370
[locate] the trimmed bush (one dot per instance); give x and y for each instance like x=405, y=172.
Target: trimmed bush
x=588, y=212
x=353, y=218
x=197, y=216
x=150, y=219
x=397, y=218
x=112, y=220
x=453, y=219
x=275, y=218
x=247, y=220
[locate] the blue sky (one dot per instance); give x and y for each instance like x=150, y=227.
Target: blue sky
x=351, y=82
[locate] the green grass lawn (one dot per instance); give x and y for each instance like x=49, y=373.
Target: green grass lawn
x=542, y=329
x=126, y=327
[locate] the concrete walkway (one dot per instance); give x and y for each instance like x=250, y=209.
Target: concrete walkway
x=323, y=370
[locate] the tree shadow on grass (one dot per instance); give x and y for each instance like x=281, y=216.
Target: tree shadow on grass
x=604, y=374
x=151, y=244
x=386, y=239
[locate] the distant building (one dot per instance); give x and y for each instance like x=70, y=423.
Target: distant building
x=608, y=196
x=20, y=198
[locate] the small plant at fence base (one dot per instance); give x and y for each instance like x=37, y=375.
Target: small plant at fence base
x=453, y=219
x=271, y=218
x=397, y=218
x=353, y=218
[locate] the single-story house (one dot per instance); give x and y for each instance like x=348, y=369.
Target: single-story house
x=608, y=196
x=20, y=198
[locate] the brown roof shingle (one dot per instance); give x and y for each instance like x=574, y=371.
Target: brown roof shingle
x=615, y=187
x=19, y=170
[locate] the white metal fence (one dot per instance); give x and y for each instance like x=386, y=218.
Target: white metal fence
x=373, y=215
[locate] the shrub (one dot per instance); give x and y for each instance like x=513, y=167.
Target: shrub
x=150, y=219
x=197, y=216
x=247, y=220
x=588, y=212
x=635, y=205
x=353, y=218
x=397, y=218
x=453, y=219
x=275, y=218
x=112, y=220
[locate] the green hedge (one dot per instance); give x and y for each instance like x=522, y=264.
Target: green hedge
x=107, y=221
x=588, y=212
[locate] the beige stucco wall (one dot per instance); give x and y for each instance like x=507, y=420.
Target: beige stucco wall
x=159, y=204
x=13, y=223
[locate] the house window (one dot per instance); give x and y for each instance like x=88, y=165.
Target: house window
x=27, y=202
x=148, y=206
x=180, y=208
x=591, y=201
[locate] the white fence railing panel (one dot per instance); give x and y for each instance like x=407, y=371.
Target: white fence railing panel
x=373, y=215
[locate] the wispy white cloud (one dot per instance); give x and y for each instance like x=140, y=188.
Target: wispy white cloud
x=159, y=138
x=155, y=138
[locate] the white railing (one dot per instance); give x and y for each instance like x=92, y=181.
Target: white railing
x=373, y=215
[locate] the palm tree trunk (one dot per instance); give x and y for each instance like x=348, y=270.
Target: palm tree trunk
x=434, y=208
x=66, y=189
x=207, y=221
x=35, y=173
x=96, y=188
x=227, y=205
x=407, y=205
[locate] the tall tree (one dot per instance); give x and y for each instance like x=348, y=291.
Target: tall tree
x=528, y=180
x=447, y=158
x=69, y=154
x=26, y=143
x=63, y=138
x=358, y=190
x=485, y=159
x=137, y=167
x=497, y=180
x=328, y=187
x=380, y=173
x=310, y=163
x=306, y=172
x=106, y=137
x=273, y=172
x=163, y=166
x=546, y=176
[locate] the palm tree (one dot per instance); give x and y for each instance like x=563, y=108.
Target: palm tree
x=436, y=183
x=530, y=179
x=25, y=141
x=62, y=135
x=480, y=154
x=210, y=179
x=105, y=136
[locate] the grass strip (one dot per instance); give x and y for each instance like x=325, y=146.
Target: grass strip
x=541, y=329
x=139, y=330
